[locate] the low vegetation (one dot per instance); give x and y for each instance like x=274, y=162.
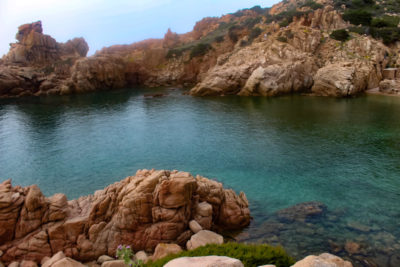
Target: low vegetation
x=376, y=18
x=250, y=255
x=340, y=35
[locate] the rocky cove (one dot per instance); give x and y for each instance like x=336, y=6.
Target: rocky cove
x=320, y=173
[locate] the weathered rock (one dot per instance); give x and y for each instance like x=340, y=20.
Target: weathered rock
x=341, y=79
x=144, y=210
x=104, y=258
x=279, y=79
x=141, y=256
x=206, y=261
x=323, y=260
x=34, y=47
x=56, y=257
x=390, y=86
x=195, y=226
x=44, y=259
x=114, y=263
x=67, y=262
x=97, y=73
x=302, y=212
x=202, y=238
x=163, y=250
x=28, y=264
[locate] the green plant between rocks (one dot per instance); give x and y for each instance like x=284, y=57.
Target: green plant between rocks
x=340, y=35
x=125, y=253
x=251, y=255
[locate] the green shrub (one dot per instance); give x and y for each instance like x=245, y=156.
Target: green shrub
x=174, y=52
x=385, y=21
x=340, y=35
x=250, y=255
x=199, y=50
x=250, y=22
x=282, y=39
x=219, y=39
x=358, y=17
x=389, y=35
x=232, y=33
x=284, y=23
x=312, y=4
x=255, y=32
x=360, y=30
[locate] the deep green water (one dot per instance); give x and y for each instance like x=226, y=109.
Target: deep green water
x=281, y=151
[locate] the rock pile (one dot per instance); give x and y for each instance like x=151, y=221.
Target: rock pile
x=144, y=210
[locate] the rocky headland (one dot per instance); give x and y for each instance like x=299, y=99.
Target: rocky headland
x=143, y=211
x=293, y=47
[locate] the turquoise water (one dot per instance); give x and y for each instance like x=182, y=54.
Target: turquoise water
x=281, y=151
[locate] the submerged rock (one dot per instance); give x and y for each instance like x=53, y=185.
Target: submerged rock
x=301, y=212
x=144, y=210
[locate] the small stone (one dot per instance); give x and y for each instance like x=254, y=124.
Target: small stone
x=67, y=262
x=142, y=256
x=115, y=263
x=25, y=263
x=195, y=226
x=104, y=258
x=162, y=250
x=183, y=238
x=211, y=261
x=324, y=259
x=352, y=247
x=202, y=238
x=14, y=264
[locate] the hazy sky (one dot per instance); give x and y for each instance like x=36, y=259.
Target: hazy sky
x=107, y=22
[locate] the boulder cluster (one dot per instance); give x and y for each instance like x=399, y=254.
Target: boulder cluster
x=142, y=211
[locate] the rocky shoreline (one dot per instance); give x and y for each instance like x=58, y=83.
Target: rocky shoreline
x=144, y=210
x=155, y=212
x=221, y=56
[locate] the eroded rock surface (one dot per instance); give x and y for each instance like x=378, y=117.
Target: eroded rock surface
x=144, y=210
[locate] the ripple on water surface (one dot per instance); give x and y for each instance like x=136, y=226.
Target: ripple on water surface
x=344, y=153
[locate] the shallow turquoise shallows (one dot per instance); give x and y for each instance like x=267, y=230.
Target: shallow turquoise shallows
x=281, y=151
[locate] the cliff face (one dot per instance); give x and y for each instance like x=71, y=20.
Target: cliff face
x=144, y=210
x=259, y=52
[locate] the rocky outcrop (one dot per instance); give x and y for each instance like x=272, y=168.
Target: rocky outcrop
x=236, y=54
x=36, y=48
x=342, y=79
x=390, y=86
x=144, y=210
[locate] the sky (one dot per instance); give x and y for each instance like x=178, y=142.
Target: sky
x=108, y=22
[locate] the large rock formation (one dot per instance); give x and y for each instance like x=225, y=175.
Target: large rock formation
x=237, y=54
x=142, y=211
x=36, y=48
